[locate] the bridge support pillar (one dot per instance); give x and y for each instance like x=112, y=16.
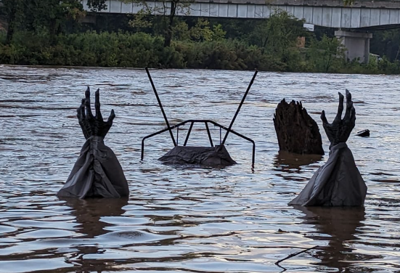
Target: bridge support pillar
x=356, y=43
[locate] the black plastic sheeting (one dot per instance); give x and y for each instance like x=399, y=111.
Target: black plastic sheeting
x=96, y=173
x=337, y=183
x=216, y=156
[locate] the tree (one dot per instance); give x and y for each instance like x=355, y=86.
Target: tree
x=97, y=5
x=202, y=31
x=11, y=10
x=281, y=39
x=326, y=55
x=386, y=43
x=166, y=10
x=282, y=31
x=44, y=16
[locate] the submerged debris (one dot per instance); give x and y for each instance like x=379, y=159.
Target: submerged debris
x=363, y=133
x=296, y=131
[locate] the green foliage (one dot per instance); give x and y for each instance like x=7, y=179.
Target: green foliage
x=386, y=42
x=11, y=54
x=202, y=31
x=47, y=37
x=348, y=2
x=326, y=55
x=227, y=54
x=85, y=49
x=164, y=11
x=282, y=31
x=389, y=67
x=97, y=5
x=39, y=16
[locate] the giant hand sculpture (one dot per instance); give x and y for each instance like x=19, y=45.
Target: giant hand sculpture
x=338, y=182
x=339, y=130
x=97, y=172
x=93, y=125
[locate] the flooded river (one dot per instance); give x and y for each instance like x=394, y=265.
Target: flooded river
x=181, y=219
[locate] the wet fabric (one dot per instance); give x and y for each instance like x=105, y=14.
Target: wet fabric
x=337, y=183
x=96, y=173
x=216, y=156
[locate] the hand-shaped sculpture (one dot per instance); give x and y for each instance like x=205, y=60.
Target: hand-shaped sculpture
x=97, y=172
x=93, y=125
x=339, y=130
x=338, y=183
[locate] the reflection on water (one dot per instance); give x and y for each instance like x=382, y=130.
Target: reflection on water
x=289, y=162
x=340, y=228
x=88, y=213
x=191, y=219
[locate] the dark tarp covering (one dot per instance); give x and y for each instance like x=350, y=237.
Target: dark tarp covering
x=216, y=156
x=337, y=183
x=96, y=173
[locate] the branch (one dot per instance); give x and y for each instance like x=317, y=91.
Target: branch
x=292, y=255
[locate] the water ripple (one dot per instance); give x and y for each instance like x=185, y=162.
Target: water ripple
x=181, y=219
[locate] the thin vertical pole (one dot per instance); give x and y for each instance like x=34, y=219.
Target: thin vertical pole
x=240, y=105
x=188, y=133
x=162, y=109
x=209, y=134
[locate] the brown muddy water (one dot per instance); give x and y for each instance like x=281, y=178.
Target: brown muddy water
x=181, y=219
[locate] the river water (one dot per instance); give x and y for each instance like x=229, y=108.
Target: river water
x=182, y=219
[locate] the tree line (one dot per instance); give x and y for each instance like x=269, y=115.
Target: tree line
x=52, y=32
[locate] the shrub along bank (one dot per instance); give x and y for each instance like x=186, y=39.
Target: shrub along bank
x=144, y=50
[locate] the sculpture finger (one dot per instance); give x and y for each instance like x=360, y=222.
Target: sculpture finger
x=348, y=95
x=340, y=108
x=353, y=115
x=323, y=118
x=97, y=105
x=87, y=103
x=111, y=118
x=81, y=111
x=349, y=106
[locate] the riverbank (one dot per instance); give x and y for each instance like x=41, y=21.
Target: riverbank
x=144, y=50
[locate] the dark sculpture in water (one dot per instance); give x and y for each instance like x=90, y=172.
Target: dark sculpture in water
x=206, y=156
x=296, y=131
x=338, y=182
x=97, y=172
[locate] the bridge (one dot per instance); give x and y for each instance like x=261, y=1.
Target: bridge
x=353, y=22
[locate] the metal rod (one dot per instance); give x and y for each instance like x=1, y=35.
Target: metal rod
x=177, y=135
x=162, y=109
x=209, y=134
x=205, y=121
x=142, y=152
x=240, y=105
x=188, y=133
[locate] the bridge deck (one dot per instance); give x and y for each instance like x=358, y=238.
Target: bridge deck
x=327, y=13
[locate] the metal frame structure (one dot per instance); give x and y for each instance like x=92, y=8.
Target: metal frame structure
x=193, y=121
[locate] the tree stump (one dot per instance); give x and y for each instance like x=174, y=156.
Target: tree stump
x=297, y=132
